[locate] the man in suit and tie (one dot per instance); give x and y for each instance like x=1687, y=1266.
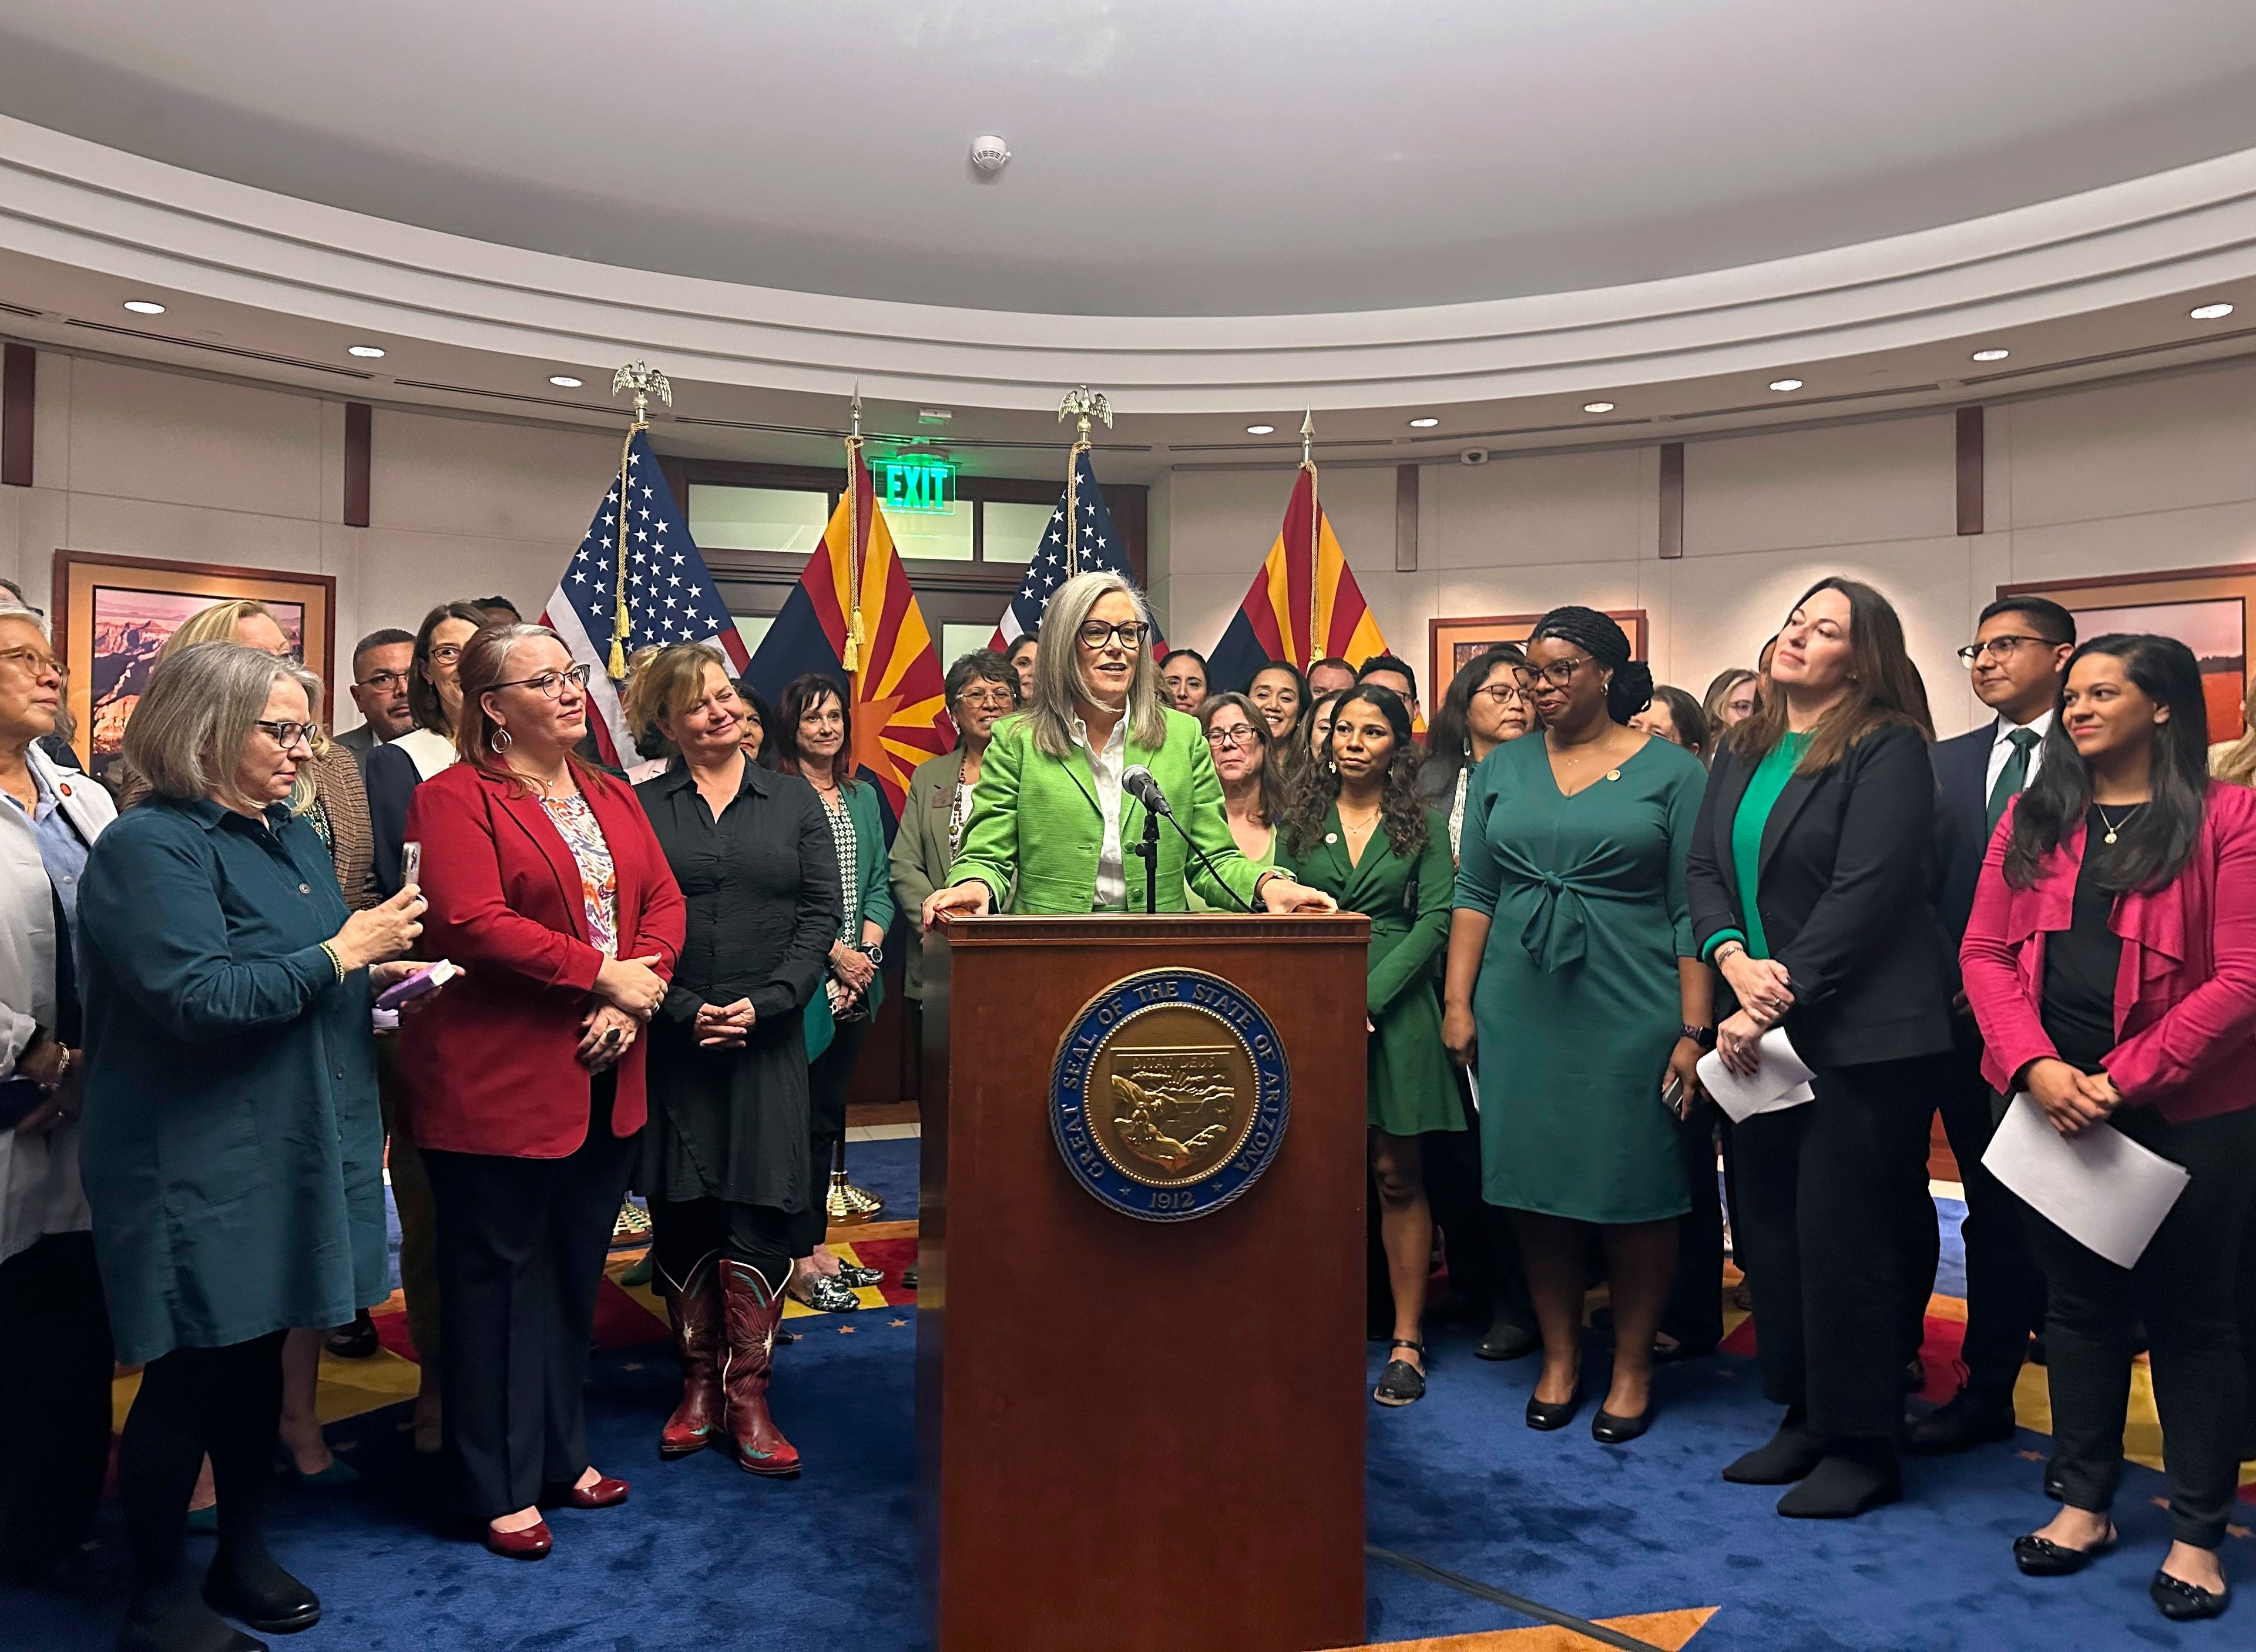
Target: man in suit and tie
x=2017, y=658
x=381, y=664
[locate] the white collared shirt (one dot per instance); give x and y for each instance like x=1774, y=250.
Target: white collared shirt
x=1108, y=766
x=2001, y=747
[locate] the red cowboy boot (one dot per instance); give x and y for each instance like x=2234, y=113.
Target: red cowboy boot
x=753, y=1308
x=694, y=1307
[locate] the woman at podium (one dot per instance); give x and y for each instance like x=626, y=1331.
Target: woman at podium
x=1052, y=810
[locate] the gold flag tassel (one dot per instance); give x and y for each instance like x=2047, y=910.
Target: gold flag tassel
x=1082, y=405
x=857, y=639
x=1315, y=542
x=644, y=381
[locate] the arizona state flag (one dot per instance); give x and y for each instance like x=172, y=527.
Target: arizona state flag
x=899, y=701
x=1304, y=605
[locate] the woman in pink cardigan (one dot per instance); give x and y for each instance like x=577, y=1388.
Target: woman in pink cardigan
x=2112, y=964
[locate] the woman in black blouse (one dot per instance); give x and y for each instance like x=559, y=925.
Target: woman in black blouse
x=724, y=1158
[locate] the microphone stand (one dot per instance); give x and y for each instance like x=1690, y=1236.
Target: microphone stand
x=1151, y=832
x=1149, y=849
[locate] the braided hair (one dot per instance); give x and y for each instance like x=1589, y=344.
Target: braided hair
x=1597, y=635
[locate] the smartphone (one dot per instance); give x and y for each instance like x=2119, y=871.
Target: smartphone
x=19, y=1099
x=411, y=862
x=429, y=978
x=1672, y=1095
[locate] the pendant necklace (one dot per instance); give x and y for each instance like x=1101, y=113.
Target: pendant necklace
x=2113, y=825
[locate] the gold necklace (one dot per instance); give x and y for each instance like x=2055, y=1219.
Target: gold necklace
x=2112, y=824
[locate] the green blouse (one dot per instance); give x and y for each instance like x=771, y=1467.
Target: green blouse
x=1761, y=796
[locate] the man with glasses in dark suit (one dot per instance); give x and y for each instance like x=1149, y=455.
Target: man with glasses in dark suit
x=2019, y=651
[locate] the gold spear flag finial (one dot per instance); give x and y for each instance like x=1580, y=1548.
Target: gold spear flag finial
x=644, y=381
x=1308, y=437
x=857, y=637
x=1316, y=540
x=1082, y=405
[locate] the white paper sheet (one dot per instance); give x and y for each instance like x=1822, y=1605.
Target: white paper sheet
x=2101, y=1188
x=1781, y=1079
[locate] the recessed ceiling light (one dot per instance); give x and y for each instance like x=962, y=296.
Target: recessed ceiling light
x=1597, y=406
x=1991, y=355
x=565, y=381
x=1786, y=384
x=366, y=352
x=2204, y=312
x=1260, y=430
x=145, y=306
x=1423, y=424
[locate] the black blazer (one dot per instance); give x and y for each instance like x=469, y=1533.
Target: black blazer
x=1845, y=895
x=1962, y=822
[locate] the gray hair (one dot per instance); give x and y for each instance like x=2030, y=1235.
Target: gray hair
x=31, y=616
x=1058, y=686
x=200, y=707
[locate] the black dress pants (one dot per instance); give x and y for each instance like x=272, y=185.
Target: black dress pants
x=522, y=1244
x=2185, y=1288
x=1451, y=1161
x=1695, y=1313
x=1823, y=1188
x=55, y=1366
x=685, y=1232
x=827, y=1083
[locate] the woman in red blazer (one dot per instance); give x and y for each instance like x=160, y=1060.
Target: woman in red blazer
x=2112, y=963
x=525, y=1078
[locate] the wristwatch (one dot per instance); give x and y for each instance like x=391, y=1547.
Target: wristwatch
x=1703, y=1036
x=875, y=953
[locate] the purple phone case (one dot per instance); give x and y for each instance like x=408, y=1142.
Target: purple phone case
x=407, y=991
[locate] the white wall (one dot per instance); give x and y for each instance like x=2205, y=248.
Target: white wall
x=2160, y=474
x=142, y=462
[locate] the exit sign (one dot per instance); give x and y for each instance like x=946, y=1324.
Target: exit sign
x=917, y=485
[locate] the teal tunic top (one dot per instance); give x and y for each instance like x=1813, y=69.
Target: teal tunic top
x=1579, y=998
x=1761, y=796
x=1411, y=1089
x=233, y=1153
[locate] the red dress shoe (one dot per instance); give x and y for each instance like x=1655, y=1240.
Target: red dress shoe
x=532, y=1544
x=604, y=1494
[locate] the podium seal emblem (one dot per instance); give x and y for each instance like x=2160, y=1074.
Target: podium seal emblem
x=1169, y=1094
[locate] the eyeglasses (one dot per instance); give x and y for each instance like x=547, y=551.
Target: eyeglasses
x=289, y=734
x=1558, y=675
x=446, y=653
x=36, y=661
x=384, y=682
x=1998, y=648
x=997, y=696
x=1502, y=693
x=549, y=684
x=1237, y=734
x=1094, y=634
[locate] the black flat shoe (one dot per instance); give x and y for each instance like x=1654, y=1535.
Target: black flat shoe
x=1546, y=1416
x=1960, y=1424
x=1506, y=1338
x=2041, y=1557
x=2183, y=1602
x=826, y=1293
x=1787, y=1457
x=860, y=1278
x=355, y=1341
x=1847, y=1482
x=263, y=1596
x=190, y=1626
x=1609, y=1430
x=1401, y=1383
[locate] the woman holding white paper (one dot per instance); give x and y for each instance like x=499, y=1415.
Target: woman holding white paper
x=2110, y=961
x=1809, y=876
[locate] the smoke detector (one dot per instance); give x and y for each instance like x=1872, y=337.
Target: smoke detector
x=989, y=153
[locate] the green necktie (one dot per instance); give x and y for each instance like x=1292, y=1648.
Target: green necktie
x=2014, y=776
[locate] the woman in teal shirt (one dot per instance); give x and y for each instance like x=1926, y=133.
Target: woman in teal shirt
x=1356, y=831
x=815, y=740
x=233, y=1154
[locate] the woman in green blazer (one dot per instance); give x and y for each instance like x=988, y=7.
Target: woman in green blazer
x=982, y=691
x=1357, y=831
x=1051, y=815
x=815, y=739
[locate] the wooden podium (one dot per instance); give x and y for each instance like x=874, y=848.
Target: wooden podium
x=1131, y=1433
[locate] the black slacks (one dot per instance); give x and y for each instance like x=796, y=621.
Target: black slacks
x=685, y=1232
x=55, y=1365
x=1451, y=1160
x=522, y=1244
x=1695, y=1313
x=827, y=1081
x=2185, y=1286
x=1823, y=1188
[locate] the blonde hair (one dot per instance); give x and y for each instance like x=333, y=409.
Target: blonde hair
x=217, y=624
x=200, y=708
x=2237, y=763
x=666, y=682
x=1059, y=690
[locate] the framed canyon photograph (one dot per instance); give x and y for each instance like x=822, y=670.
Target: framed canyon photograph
x=114, y=615
x=1451, y=643
x=2207, y=608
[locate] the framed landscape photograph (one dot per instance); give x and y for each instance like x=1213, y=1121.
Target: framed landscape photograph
x=2207, y=608
x=1451, y=643
x=113, y=614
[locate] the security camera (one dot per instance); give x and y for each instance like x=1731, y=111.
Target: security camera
x=1473, y=456
x=989, y=153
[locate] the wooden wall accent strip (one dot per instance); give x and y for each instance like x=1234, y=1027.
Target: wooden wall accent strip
x=18, y=389
x=1672, y=500
x=1405, y=519
x=1969, y=470
x=359, y=425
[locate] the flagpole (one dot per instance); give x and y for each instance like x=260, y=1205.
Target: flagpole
x=1316, y=540
x=1083, y=405
x=857, y=639
x=643, y=379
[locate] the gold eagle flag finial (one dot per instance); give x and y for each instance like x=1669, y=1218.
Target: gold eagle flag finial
x=644, y=381
x=1083, y=405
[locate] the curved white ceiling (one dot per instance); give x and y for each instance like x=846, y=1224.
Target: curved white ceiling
x=1175, y=157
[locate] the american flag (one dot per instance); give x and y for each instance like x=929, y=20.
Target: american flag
x=1098, y=546
x=669, y=595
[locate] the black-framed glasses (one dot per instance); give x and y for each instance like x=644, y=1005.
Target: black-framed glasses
x=1502, y=693
x=1998, y=648
x=1558, y=675
x=384, y=682
x=1094, y=634
x=1237, y=734
x=287, y=734
x=446, y=653
x=549, y=684
x=38, y=661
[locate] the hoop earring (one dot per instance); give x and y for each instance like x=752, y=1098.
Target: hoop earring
x=501, y=740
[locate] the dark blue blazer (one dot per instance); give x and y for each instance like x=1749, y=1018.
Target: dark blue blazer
x=1962, y=823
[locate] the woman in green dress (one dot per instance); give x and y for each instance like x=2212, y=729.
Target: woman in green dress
x=1572, y=970
x=1357, y=831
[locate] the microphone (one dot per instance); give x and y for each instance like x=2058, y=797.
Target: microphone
x=1139, y=784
